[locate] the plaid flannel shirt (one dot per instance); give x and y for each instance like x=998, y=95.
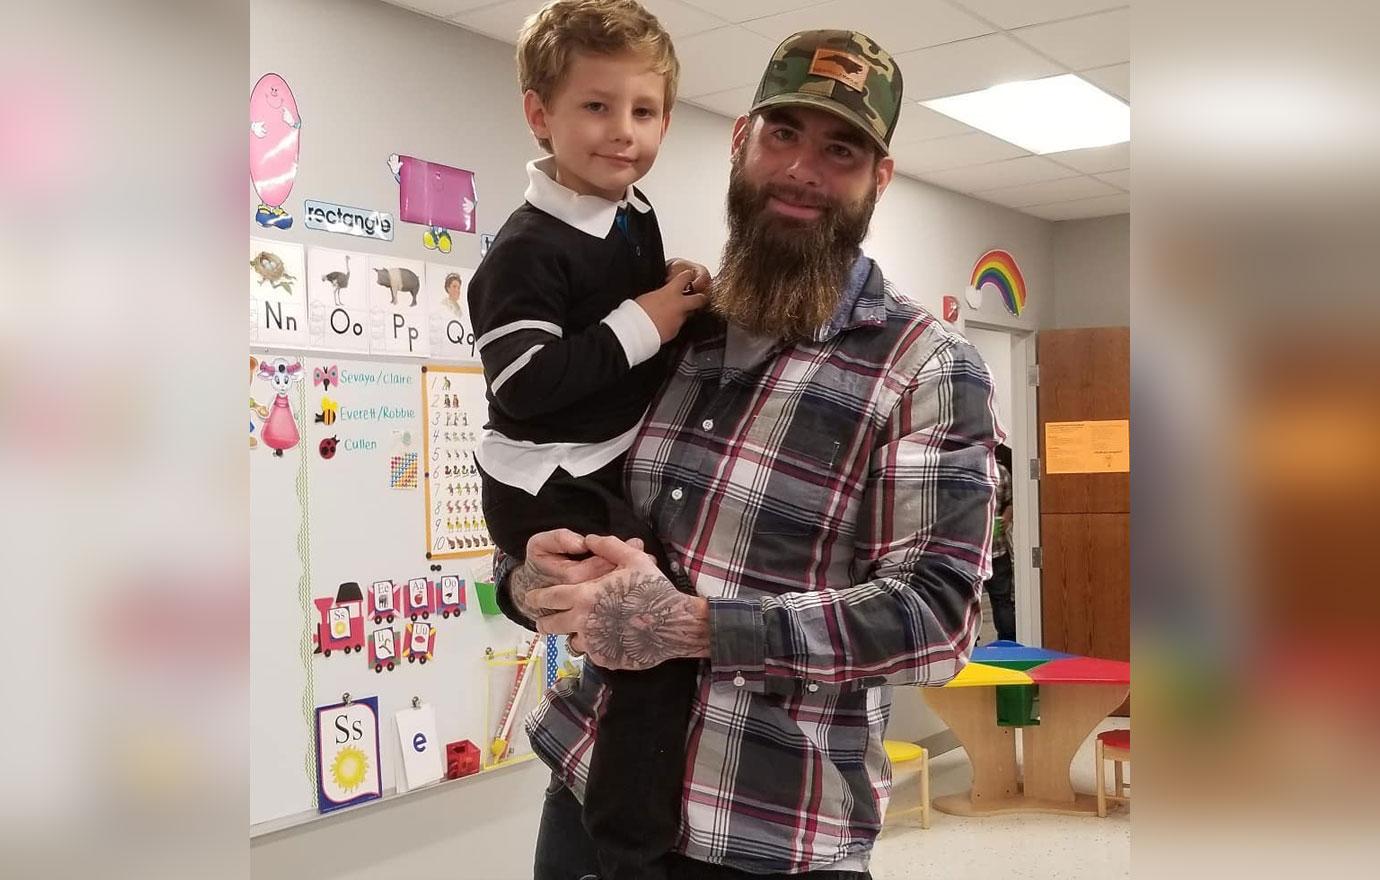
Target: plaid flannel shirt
x=834, y=503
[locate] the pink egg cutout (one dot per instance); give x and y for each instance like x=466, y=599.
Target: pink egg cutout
x=274, y=139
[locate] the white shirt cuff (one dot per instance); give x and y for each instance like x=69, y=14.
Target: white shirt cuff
x=635, y=331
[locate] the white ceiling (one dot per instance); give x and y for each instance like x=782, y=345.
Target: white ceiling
x=944, y=47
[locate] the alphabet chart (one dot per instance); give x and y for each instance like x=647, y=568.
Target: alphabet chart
x=352, y=302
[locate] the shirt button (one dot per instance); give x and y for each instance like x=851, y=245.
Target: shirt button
x=812, y=686
x=675, y=567
x=738, y=680
x=707, y=424
x=677, y=494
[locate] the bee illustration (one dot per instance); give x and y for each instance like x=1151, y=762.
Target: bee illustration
x=329, y=410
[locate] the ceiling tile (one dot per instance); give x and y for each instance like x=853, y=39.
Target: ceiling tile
x=1102, y=206
x=969, y=65
x=919, y=123
x=1095, y=160
x=1093, y=41
x=1015, y=13
x=681, y=20
x=1048, y=191
x=917, y=157
x=1118, y=179
x=444, y=8
x=720, y=60
x=501, y=21
x=1115, y=79
x=991, y=175
x=743, y=10
x=899, y=25
x=731, y=103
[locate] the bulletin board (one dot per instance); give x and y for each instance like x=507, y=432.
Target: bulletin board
x=357, y=276
x=347, y=504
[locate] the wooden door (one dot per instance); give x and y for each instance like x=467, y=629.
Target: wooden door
x=1085, y=518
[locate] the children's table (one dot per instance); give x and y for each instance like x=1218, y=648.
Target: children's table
x=1055, y=700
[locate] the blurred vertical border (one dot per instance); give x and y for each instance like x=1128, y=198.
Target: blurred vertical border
x=122, y=453
x=1256, y=437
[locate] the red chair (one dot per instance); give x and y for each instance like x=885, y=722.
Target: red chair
x=1114, y=746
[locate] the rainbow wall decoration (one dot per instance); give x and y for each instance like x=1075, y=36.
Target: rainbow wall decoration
x=998, y=269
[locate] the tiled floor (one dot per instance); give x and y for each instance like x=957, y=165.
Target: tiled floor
x=1037, y=847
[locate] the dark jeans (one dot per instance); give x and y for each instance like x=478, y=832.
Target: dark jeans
x=1001, y=589
x=565, y=852
x=638, y=765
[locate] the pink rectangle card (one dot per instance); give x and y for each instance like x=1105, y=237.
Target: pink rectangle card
x=438, y=195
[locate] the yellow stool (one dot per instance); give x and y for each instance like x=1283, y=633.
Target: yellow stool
x=901, y=753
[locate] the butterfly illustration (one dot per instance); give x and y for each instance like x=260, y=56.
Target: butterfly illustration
x=326, y=376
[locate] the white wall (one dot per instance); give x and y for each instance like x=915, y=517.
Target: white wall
x=1092, y=272
x=995, y=348
x=372, y=79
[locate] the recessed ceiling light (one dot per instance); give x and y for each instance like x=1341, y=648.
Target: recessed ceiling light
x=1047, y=115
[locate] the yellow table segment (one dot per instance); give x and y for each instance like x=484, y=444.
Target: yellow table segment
x=982, y=675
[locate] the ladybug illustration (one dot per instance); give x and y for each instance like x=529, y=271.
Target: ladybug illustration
x=328, y=447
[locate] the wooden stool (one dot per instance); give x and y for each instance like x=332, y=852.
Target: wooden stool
x=904, y=753
x=1114, y=746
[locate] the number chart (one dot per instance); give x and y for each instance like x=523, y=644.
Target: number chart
x=454, y=411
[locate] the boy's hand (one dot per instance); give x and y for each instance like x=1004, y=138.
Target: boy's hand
x=698, y=284
x=668, y=306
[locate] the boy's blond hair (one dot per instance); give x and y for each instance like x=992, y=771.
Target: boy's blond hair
x=549, y=40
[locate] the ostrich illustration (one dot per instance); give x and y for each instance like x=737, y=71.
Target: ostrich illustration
x=338, y=279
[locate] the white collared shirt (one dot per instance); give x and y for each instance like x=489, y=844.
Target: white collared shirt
x=592, y=215
x=526, y=465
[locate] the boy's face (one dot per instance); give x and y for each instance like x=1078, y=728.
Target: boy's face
x=605, y=122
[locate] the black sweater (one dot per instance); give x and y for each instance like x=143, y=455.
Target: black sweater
x=578, y=388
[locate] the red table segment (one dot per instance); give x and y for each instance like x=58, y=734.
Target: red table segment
x=1082, y=670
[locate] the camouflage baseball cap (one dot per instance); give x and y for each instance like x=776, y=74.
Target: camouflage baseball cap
x=840, y=72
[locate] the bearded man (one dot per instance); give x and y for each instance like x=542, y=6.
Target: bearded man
x=820, y=470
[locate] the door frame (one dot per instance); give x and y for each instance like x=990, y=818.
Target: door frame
x=1025, y=492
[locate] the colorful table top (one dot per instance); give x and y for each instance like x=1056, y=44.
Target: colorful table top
x=1011, y=663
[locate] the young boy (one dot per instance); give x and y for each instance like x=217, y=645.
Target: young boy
x=572, y=306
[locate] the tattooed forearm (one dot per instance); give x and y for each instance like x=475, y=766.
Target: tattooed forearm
x=639, y=620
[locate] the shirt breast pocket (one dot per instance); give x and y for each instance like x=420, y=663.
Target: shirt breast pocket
x=799, y=443
x=800, y=491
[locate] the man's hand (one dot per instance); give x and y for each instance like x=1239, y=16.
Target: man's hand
x=698, y=284
x=668, y=306
x=554, y=558
x=629, y=618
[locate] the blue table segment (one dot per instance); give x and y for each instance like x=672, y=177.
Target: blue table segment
x=1014, y=652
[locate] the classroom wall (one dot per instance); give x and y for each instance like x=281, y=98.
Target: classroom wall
x=1092, y=272
x=372, y=79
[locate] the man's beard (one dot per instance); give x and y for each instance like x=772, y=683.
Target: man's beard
x=781, y=277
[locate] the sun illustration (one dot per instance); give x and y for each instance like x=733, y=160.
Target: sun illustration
x=349, y=768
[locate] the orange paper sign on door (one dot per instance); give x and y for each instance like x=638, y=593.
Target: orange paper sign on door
x=1102, y=447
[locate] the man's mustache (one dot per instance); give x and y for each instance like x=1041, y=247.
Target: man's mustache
x=796, y=195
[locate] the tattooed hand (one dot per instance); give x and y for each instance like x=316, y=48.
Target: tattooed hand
x=554, y=558
x=630, y=618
